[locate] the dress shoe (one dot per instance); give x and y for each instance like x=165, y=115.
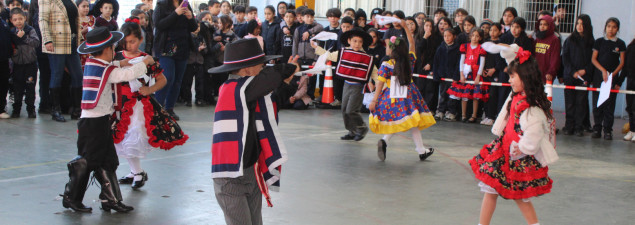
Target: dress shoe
x=77, y=207
x=347, y=137
x=596, y=134
x=608, y=136
x=424, y=156
x=381, y=149
x=359, y=137
x=126, y=179
x=140, y=183
x=119, y=207
x=579, y=133
x=171, y=111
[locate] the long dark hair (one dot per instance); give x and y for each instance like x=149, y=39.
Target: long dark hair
x=612, y=20
x=33, y=10
x=417, y=33
x=529, y=74
x=400, y=56
x=587, y=37
x=512, y=10
x=447, y=20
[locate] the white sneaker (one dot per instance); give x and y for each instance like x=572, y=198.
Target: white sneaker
x=633, y=139
x=4, y=115
x=488, y=122
x=484, y=121
x=439, y=116
x=450, y=117
x=629, y=136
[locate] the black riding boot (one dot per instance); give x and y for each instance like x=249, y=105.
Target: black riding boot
x=56, y=109
x=110, y=195
x=79, y=174
x=76, y=94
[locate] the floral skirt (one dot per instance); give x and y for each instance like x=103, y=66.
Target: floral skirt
x=511, y=179
x=394, y=115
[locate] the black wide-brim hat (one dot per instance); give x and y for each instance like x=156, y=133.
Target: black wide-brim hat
x=98, y=39
x=356, y=32
x=242, y=54
x=115, y=8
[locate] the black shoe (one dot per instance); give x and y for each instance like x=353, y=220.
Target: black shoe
x=424, y=156
x=171, y=111
x=119, y=207
x=15, y=114
x=77, y=207
x=608, y=136
x=347, y=137
x=359, y=137
x=596, y=134
x=138, y=184
x=579, y=133
x=188, y=103
x=381, y=149
x=126, y=179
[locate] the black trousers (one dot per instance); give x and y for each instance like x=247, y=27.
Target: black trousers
x=446, y=104
x=576, y=105
x=429, y=90
x=338, y=86
x=45, y=79
x=630, y=105
x=490, y=107
x=4, y=84
x=217, y=79
x=603, y=116
x=24, y=80
x=95, y=142
x=194, y=71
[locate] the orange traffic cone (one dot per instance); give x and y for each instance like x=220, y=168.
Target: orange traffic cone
x=549, y=90
x=327, y=93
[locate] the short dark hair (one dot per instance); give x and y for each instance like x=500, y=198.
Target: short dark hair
x=138, y=6
x=17, y=11
x=462, y=11
x=11, y=1
x=270, y=7
x=239, y=9
x=137, y=12
x=212, y=3
x=308, y=12
x=291, y=11
x=203, y=7
x=347, y=20
x=544, y=12
x=251, y=9
x=334, y=12
x=400, y=14
x=300, y=9
x=251, y=26
x=385, y=13
x=350, y=9
x=442, y=11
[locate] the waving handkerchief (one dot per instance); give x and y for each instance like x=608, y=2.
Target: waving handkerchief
x=325, y=36
x=383, y=20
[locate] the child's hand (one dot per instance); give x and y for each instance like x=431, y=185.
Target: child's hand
x=222, y=47
x=462, y=80
x=180, y=10
x=286, y=31
x=617, y=87
x=477, y=80
x=305, y=36
x=292, y=99
x=218, y=38
x=124, y=63
x=20, y=33
x=490, y=72
x=372, y=106
x=313, y=45
x=515, y=151
x=201, y=47
x=549, y=77
x=427, y=67
x=148, y=60
x=188, y=14
x=145, y=91
x=605, y=75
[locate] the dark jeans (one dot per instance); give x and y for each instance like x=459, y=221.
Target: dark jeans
x=446, y=104
x=173, y=70
x=338, y=86
x=430, y=93
x=24, y=80
x=45, y=80
x=69, y=61
x=577, y=105
x=603, y=116
x=191, y=72
x=4, y=84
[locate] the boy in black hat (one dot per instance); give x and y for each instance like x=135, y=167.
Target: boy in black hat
x=96, y=150
x=247, y=150
x=355, y=67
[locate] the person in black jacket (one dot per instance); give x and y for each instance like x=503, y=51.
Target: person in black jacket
x=629, y=74
x=490, y=74
x=271, y=32
x=516, y=35
x=578, y=70
x=172, y=40
x=446, y=65
x=6, y=50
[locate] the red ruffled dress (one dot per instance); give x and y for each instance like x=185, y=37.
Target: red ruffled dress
x=522, y=178
x=90, y=24
x=461, y=91
x=141, y=124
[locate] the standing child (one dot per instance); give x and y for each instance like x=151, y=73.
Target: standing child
x=400, y=106
x=24, y=60
x=271, y=32
x=547, y=48
x=468, y=24
x=287, y=32
x=6, y=51
x=223, y=36
x=142, y=124
x=608, y=58
x=446, y=65
x=194, y=69
x=86, y=23
x=95, y=146
x=105, y=12
x=516, y=35
x=472, y=62
x=514, y=165
x=490, y=74
x=355, y=67
x=629, y=73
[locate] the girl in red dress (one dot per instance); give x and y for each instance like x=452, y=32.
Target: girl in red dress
x=514, y=165
x=86, y=22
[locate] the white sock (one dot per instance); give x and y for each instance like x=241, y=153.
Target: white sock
x=387, y=137
x=416, y=137
x=135, y=167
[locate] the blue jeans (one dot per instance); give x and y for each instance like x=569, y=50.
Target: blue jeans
x=173, y=70
x=72, y=63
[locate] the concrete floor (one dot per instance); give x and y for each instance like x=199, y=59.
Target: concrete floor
x=325, y=181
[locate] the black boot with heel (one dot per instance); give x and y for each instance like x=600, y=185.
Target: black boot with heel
x=79, y=175
x=110, y=193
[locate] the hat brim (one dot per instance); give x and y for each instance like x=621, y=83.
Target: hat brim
x=116, y=37
x=232, y=67
x=359, y=33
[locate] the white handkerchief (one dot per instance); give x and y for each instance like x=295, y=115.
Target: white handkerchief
x=325, y=36
x=467, y=69
x=396, y=89
x=383, y=20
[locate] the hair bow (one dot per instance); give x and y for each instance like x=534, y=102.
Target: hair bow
x=394, y=42
x=522, y=55
x=134, y=20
